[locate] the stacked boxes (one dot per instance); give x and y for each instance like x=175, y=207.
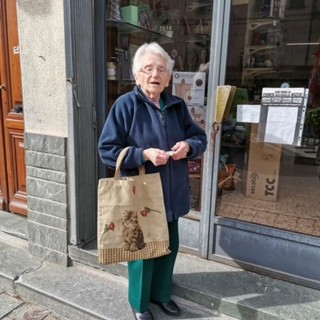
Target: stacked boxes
x=263, y=165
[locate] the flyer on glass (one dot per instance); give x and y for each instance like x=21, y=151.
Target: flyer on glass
x=190, y=86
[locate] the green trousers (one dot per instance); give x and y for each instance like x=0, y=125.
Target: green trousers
x=152, y=278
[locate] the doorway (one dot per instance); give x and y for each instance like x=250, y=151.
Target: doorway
x=12, y=153
x=268, y=221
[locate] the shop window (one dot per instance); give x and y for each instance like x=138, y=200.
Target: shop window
x=183, y=29
x=277, y=46
x=296, y=4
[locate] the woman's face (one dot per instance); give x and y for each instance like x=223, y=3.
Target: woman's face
x=153, y=76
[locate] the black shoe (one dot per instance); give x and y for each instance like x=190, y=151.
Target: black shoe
x=142, y=316
x=170, y=308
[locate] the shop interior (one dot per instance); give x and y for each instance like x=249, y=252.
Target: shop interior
x=183, y=29
x=275, y=44
x=272, y=44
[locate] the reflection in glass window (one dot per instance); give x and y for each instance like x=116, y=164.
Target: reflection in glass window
x=272, y=44
x=183, y=29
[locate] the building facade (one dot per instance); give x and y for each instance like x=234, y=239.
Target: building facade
x=254, y=193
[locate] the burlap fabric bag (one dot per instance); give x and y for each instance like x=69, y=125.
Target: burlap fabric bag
x=132, y=222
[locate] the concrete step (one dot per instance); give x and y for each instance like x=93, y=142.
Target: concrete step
x=219, y=289
x=229, y=290
x=14, y=308
x=78, y=292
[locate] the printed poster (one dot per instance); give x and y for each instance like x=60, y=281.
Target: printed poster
x=190, y=86
x=198, y=114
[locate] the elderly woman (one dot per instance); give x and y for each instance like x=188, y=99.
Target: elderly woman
x=163, y=136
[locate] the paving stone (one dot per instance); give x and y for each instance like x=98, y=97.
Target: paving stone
x=7, y=304
x=202, y=288
x=28, y=311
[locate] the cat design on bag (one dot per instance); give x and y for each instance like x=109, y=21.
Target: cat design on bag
x=131, y=232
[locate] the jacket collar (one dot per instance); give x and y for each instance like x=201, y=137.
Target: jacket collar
x=168, y=99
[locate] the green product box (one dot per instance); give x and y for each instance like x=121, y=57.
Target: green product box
x=130, y=14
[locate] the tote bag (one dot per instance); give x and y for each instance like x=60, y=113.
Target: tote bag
x=132, y=222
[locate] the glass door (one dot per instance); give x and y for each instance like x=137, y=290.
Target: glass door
x=274, y=178
x=183, y=29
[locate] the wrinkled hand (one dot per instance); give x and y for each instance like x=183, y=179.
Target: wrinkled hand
x=180, y=150
x=157, y=156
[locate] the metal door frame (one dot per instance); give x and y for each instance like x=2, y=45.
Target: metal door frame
x=218, y=62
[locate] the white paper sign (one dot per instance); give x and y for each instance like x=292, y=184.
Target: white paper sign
x=282, y=115
x=248, y=113
x=281, y=124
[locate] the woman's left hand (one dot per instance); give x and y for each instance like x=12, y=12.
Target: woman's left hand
x=180, y=150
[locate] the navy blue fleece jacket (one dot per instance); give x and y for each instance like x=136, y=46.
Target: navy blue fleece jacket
x=135, y=121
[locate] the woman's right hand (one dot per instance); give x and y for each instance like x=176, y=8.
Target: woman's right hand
x=157, y=156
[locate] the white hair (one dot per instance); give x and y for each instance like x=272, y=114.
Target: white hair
x=150, y=48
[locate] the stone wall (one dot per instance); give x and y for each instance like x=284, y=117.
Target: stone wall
x=43, y=66
x=47, y=197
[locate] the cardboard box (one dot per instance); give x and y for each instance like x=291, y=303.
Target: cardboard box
x=263, y=166
x=130, y=14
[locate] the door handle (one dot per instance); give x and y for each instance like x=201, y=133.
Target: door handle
x=2, y=86
x=18, y=108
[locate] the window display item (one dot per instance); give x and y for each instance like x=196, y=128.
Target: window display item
x=263, y=167
x=198, y=114
x=169, y=32
x=130, y=14
x=224, y=97
x=112, y=70
x=282, y=115
x=190, y=86
x=227, y=178
x=113, y=10
x=314, y=85
x=194, y=166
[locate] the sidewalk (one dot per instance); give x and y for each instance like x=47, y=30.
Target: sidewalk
x=204, y=289
x=14, y=308
x=76, y=293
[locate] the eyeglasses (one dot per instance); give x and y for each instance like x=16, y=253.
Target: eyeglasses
x=150, y=69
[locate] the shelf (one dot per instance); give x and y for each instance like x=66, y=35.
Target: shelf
x=189, y=21
x=262, y=44
x=252, y=49
x=197, y=38
x=195, y=175
x=257, y=23
x=232, y=145
x=253, y=72
x=196, y=5
x=129, y=28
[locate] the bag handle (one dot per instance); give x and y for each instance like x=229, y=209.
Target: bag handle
x=121, y=156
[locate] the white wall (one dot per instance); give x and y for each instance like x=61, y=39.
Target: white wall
x=43, y=66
